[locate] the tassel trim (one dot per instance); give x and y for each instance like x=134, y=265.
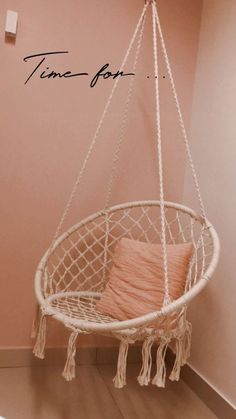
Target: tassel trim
x=182, y=352
x=145, y=373
x=39, y=346
x=35, y=324
x=120, y=379
x=69, y=369
x=187, y=343
x=160, y=377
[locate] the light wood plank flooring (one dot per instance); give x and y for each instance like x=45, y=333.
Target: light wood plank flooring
x=42, y=393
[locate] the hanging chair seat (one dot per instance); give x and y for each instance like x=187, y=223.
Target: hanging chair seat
x=78, y=309
x=72, y=276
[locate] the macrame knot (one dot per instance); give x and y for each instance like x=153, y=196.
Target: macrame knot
x=69, y=369
x=166, y=301
x=120, y=379
x=40, y=330
x=160, y=376
x=145, y=373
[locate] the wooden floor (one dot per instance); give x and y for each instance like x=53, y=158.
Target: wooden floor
x=41, y=393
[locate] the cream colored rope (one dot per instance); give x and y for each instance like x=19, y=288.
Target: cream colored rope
x=119, y=143
x=125, y=116
x=180, y=117
x=93, y=142
x=160, y=164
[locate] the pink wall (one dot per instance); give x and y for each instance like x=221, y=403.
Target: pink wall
x=213, y=143
x=46, y=126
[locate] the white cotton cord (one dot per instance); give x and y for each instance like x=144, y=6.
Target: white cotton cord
x=175, y=373
x=39, y=346
x=125, y=116
x=145, y=373
x=69, y=369
x=182, y=350
x=35, y=324
x=160, y=376
x=93, y=142
x=120, y=378
x=106, y=246
x=160, y=164
x=186, y=342
x=119, y=145
x=180, y=116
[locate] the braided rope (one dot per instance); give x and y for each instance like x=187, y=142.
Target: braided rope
x=120, y=142
x=93, y=142
x=125, y=116
x=180, y=116
x=160, y=165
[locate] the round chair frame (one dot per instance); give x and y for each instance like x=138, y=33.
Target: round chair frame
x=112, y=324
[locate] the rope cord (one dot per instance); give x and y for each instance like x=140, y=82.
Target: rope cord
x=93, y=142
x=125, y=116
x=180, y=116
x=160, y=164
x=119, y=144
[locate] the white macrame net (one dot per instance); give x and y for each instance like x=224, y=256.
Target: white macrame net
x=78, y=263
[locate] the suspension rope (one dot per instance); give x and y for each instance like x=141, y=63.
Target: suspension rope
x=180, y=116
x=160, y=163
x=125, y=117
x=94, y=139
x=119, y=145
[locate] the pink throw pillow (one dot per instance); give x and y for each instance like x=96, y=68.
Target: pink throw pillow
x=136, y=285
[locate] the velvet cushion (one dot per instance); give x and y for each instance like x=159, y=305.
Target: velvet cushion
x=136, y=286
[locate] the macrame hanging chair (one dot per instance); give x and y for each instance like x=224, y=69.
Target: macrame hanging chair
x=73, y=273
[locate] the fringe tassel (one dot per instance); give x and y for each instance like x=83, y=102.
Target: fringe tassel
x=175, y=373
x=35, y=324
x=145, y=373
x=160, y=377
x=120, y=378
x=41, y=337
x=69, y=369
x=187, y=343
x=182, y=349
